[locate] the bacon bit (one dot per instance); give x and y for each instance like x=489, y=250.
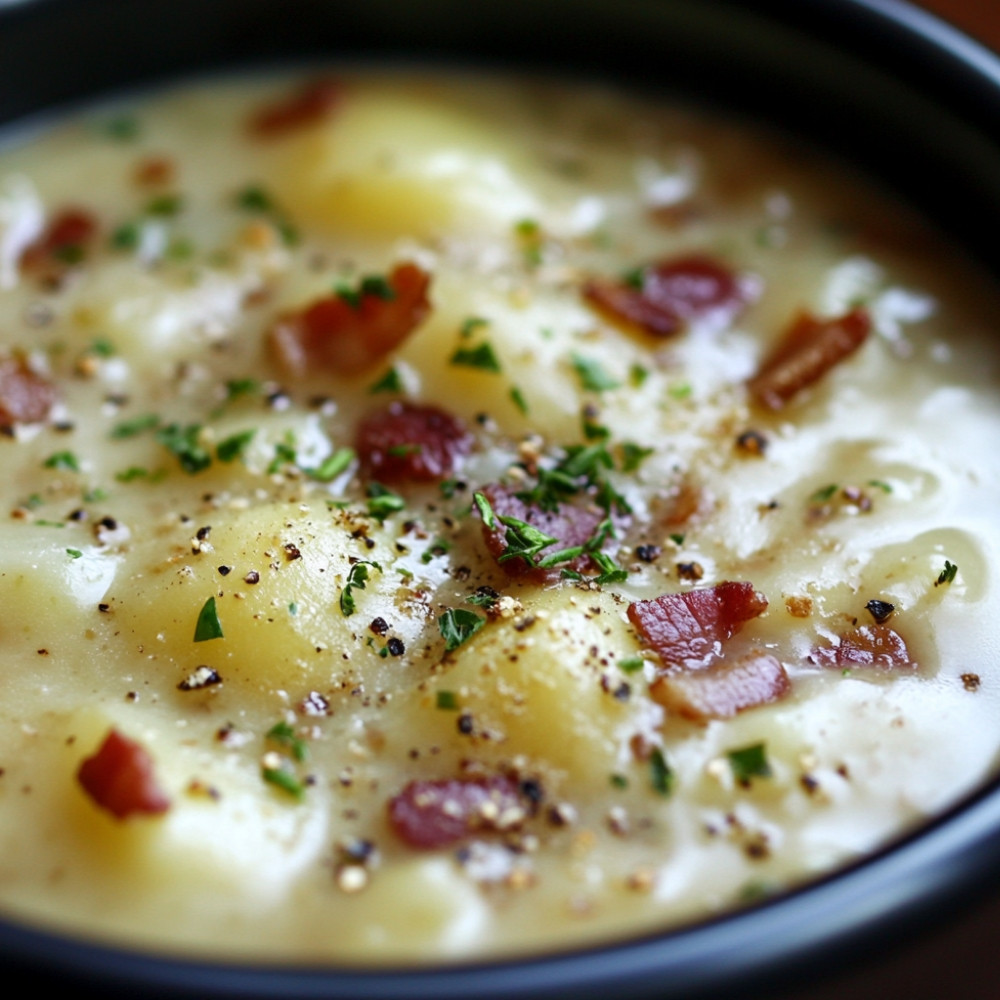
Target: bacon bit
x=408, y=442
x=308, y=105
x=809, y=348
x=68, y=233
x=867, y=646
x=571, y=524
x=119, y=778
x=689, y=628
x=344, y=338
x=671, y=294
x=723, y=689
x=434, y=814
x=25, y=396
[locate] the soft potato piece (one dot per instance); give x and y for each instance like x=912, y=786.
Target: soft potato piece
x=543, y=686
x=59, y=578
x=393, y=164
x=278, y=604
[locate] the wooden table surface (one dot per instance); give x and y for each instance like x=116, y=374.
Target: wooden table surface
x=979, y=18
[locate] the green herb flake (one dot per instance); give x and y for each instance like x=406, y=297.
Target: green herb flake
x=62, y=460
x=234, y=446
x=208, y=625
x=680, y=391
x=164, y=205
x=457, y=626
x=184, y=443
x=633, y=456
x=631, y=665
x=637, y=375
x=382, y=502
x=618, y=781
x=134, y=472
x=517, y=398
x=126, y=236
x=282, y=778
x=749, y=762
x=635, y=277
x=122, y=128
x=239, y=387
x=254, y=198
x=880, y=484
x=284, y=735
x=661, y=775
x=677, y=538
x=332, y=466
x=357, y=578
x=447, y=701
x=101, y=347
x=135, y=426
x=482, y=356
x=470, y=324
x=592, y=376
x=824, y=494
x=947, y=575
x=389, y=382
x=74, y=553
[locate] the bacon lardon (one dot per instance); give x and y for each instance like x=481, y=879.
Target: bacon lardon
x=664, y=297
x=119, y=778
x=807, y=351
x=345, y=336
x=410, y=442
x=435, y=814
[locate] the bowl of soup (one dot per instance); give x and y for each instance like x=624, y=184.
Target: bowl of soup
x=501, y=500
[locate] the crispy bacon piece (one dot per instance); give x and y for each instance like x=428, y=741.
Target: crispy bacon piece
x=572, y=524
x=119, y=778
x=689, y=628
x=434, y=814
x=807, y=351
x=348, y=337
x=25, y=396
x=310, y=104
x=670, y=294
x=65, y=239
x=407, y=442
x=722, y=689
x=866, y=646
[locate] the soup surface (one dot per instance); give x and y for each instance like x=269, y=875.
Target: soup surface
x=450, y=517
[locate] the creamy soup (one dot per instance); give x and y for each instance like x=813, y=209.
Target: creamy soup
x=450, y=517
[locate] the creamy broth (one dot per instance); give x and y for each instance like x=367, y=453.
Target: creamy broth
x=356, y=429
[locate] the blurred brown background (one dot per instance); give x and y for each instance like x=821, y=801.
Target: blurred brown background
x=980, y=18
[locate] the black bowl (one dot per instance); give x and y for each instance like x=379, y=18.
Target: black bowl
x=877, y=81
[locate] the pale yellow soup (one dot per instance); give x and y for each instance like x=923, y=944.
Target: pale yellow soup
x=878, y=481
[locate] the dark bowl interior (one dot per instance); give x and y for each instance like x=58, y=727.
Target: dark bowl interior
x=875, y=81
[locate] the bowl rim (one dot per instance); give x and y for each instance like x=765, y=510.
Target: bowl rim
x=842, y=918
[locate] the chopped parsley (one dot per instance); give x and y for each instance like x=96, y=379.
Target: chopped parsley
x=374, y=285
x=824, y=494
x=631, y=665
x=282, y=777
x=356, y=580
x=447, y=701
x=517, y=398
x=637, y=375
x=74, y=553
x=470, y=324
x=592, y=376
x=389, y=382
x=947, y=575
x=122, y=128
x=457, y=626
x=661, y=775
x=749, y=762
x=254, y=198
x=284, y=735
x=164, y=205
x=62, y=460
x=482, y=357
x=633, y=455
x=619, y=781
x=382, y=501
x=332, y=466
x=208, y=625
x=135, y=426
x=234, y=446
x=184, y=442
